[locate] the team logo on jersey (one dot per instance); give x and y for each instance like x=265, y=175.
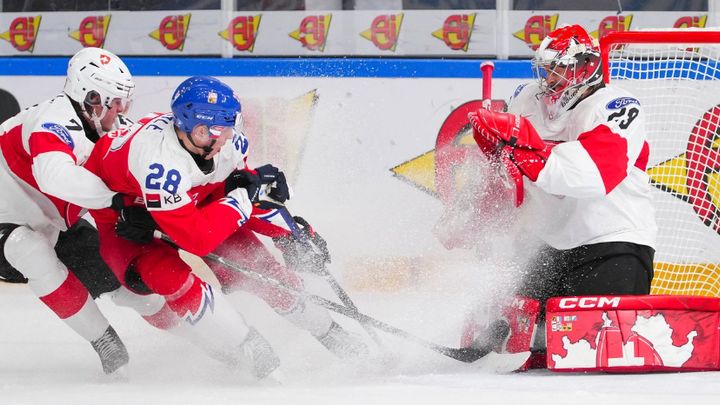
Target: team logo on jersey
x=172, y=32
x=519, y=89
x=242, y=32
x=613, y=23
x=384, y=31
x=456, y=31
x=536, y=29
x=92, y=31
x=694, y=176
x=313, y=32
x=22, y=33
x=61, y=132
x=691, y=21
x=621, y=102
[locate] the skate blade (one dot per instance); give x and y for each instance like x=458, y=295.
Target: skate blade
x=502, y=363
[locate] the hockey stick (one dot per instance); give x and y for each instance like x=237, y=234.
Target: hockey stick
x=322, y=270
x=467, y=355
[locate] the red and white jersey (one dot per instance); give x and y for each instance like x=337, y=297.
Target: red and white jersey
x=42, y=179
x=594, y=187
x=147, y=161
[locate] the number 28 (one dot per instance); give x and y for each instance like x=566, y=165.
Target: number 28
x=154, y=181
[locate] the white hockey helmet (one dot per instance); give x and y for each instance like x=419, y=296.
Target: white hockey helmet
x=566, y=65
x=98, y=77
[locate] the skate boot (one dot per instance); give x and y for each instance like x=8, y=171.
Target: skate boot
x=262, y=357
x=111, y=350
x=342, y=343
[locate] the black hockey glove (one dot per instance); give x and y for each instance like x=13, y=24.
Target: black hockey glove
x=244, y=179
x=135, y=224
x=280, y=192
x=267, y=173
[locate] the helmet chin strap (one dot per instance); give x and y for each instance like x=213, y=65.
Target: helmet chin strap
x=206, y=149
x=96, y=121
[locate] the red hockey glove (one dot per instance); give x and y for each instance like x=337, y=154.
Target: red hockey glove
x=514, y=142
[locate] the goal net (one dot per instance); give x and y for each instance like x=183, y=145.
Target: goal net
x=676, y=76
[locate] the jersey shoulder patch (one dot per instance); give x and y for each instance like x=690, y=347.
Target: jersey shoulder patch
x=519, y=89
x=621, y=102
x=59, y=131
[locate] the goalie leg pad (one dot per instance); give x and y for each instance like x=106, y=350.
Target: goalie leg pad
x=633, y=333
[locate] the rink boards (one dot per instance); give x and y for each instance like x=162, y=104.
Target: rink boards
x=356, y=138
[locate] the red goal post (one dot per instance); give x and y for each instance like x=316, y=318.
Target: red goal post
x=676, y=76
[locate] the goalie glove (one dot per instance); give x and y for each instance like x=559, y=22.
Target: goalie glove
x=512, y=142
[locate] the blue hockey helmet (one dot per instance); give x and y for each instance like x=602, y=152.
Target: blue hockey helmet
x=204, y=100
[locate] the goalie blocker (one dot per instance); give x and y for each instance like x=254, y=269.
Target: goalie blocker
x=639, y=333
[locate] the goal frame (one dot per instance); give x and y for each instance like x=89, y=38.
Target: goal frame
x=691, y=278
x=652, y=37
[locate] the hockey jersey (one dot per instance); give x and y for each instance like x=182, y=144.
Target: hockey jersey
x=148, y=162
x=42, y=179
x=593, y=187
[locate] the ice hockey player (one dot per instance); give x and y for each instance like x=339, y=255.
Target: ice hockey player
x=182, y=166
x=44, y=185
x=578, y=147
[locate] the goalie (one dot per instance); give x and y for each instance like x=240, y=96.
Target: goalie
x=577, y=149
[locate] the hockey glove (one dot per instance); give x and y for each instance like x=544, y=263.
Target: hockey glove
x=516, y=145
x=135, y=224
x=279, y=190
x=244, y=179
x=267, y=174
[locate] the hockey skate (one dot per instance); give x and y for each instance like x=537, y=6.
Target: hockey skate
x=262, y=357
x=343, y=344
x=112, y=351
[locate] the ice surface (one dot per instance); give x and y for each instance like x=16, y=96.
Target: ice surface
x=43, y=362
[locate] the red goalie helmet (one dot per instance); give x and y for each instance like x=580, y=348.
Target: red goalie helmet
x=566, y=65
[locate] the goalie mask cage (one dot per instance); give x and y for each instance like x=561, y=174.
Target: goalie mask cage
x=676, y=76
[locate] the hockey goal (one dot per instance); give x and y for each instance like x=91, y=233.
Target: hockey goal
x=676, y=76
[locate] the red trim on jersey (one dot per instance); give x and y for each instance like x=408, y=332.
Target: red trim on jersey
x=608, y=151
x=20, y=161
x=642, y=160
x=68, y=299
x=42, y=142
x=198, y=231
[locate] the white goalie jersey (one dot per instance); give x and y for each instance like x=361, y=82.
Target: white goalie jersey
x=594, y=187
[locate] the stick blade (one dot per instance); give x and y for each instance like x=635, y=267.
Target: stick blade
x=502, y=363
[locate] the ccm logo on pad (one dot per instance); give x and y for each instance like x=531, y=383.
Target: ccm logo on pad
x=589, y=302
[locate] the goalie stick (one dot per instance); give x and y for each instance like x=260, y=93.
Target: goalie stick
x=466, y=355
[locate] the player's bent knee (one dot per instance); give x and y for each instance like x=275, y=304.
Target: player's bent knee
x=30, y=253
x=633, y=333
x=8, y=273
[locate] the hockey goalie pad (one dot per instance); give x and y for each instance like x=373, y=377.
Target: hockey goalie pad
x=505, y=329
x=633, y=333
